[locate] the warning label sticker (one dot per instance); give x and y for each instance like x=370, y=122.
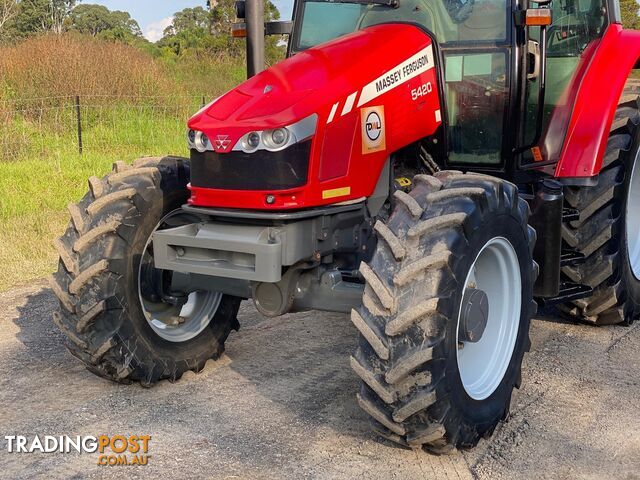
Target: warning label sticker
x=373, y=130
x=411, y=68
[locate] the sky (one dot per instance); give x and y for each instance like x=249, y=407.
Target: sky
x=155, y=15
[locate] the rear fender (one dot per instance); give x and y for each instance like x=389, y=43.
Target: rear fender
x=598, y=92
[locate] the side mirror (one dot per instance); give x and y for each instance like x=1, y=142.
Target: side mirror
x=239, y=30
x=254, y=29
x=240, y=9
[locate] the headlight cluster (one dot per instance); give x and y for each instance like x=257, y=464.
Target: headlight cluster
x=278, y=138
x=273, y=140
x=198, y=140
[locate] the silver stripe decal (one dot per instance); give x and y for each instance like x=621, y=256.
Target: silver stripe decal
x=351, y=99
x=418, y=64
x=333, y=112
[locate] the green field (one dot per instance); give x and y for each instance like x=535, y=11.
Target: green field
x=41, y=170
x=36, y=188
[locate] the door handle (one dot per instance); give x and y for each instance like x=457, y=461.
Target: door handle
x=534, y=60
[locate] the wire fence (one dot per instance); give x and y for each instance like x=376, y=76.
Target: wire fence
x=58, y=127
x=40, y=128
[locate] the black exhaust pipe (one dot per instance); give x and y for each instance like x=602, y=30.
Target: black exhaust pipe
x=546, y=218
x=254, y=13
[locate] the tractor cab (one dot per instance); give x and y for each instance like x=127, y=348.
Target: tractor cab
x=491, y=65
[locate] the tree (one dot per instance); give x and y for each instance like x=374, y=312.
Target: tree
x=8, y=10
x=629, y=9
x=97, y=20
x=188, y=31
x=196, y=30
x=28, y=17
x=90, y=19
x=35, y=16
x=189, y=19
x=123, y=20
x=223, y=14
x=57, y=13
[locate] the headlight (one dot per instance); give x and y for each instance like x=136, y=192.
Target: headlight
x=252, y=141
x=202, y=142
x=275, y=139
x=278, y=138
x=198, y=140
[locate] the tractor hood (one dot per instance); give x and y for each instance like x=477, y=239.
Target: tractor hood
x=329, y=80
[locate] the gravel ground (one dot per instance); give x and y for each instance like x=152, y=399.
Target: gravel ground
x=281, y=404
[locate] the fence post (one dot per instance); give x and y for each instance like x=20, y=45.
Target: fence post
x=79, y=122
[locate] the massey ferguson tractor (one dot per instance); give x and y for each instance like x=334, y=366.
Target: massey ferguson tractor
x=435, y=168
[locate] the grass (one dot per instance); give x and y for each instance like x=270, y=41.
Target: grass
x=34, y=192
x=132, y=106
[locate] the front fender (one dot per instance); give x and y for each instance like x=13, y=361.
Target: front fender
x=598, y=92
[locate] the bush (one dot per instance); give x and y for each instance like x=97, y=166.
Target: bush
x=73, y=64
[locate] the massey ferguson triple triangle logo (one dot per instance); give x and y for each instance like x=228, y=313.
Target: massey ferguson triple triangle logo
x=222, y=142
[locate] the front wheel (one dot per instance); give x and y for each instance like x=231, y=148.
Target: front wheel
x=446, y=311
x=120, y=315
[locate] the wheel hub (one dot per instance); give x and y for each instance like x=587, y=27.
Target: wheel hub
x=474, y=316
x=174, y=316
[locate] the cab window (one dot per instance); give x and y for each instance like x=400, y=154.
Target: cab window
x=324, y=21
x=451, y=21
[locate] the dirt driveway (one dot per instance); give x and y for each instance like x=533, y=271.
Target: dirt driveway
x=281, y=404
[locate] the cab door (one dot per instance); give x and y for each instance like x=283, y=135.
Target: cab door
x=477, y=69
x=571, y=40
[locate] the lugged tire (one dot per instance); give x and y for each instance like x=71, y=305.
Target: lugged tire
x=97, y=277
x=406, y=359
x=600, y=233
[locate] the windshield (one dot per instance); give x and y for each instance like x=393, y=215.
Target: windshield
x=324, y=21
x=451, y=21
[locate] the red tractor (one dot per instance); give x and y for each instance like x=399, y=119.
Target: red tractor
x=437, y=168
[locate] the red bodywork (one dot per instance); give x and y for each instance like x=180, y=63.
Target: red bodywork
x=334, y=81
x=594, y=94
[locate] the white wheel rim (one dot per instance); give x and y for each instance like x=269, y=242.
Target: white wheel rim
x=495, y=271
x=197, y=314
x=633, y=219
x=172, y=323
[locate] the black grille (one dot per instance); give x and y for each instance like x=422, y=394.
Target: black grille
x=261, y=170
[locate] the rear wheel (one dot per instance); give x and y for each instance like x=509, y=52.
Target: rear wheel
x=608, y=230
x=446, y=311
x=119, y=314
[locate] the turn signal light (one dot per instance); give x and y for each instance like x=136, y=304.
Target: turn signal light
x=537, y=17
x=239, y=30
